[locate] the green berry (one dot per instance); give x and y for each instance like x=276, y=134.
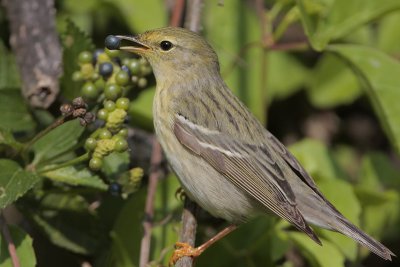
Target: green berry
x=122, y=78
x=104, y=134
x=145, y=69
x=134, y=79
x=122, y=103
x=102, y=114
x=99, y=83
x=95, y=76
x=125, y=61
x=123, y=132
x=109, y=105
x=142, y=82
x=87, y=70
x=90, y=144
x=77, y=76
x=112, y=91
x=134, y=66
x=85, y=57
x=95, y=164
x=121, y=144
x=89, y=90
x=112, y=53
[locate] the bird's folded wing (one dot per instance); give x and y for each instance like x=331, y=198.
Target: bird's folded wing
x=247, y=166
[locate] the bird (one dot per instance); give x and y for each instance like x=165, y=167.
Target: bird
x=226, y=160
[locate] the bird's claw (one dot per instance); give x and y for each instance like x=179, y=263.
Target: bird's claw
x=180, y=194
x=183, y=250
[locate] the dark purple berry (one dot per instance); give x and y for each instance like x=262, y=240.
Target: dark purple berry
x=112, y=42
x=106, y=69
x=115, y=189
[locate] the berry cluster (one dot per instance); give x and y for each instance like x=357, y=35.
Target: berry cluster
x=108, y=75
x=108, y=79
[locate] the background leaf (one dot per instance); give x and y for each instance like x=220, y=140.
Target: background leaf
x=378, y=73
x=14, y=115
x=14, y=182
x=76, y=176
x=74, y=41
x=340, y=17
x=58, y=141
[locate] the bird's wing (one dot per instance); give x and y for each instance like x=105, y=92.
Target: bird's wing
x=296, y=167
x=247, y=166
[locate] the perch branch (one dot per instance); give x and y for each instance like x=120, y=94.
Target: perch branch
x=189, y=222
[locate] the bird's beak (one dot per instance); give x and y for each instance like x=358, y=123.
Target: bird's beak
x=136, y=47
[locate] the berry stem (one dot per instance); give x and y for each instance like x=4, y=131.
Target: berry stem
x=71, y=162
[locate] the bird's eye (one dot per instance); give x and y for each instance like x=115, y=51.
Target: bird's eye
x=166, y=45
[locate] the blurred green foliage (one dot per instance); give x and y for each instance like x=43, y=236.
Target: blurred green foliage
x=330, y=54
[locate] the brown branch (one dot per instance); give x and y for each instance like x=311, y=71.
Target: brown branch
x=155, y=173
x=188, y=231
x=35, y=42
x=10, y=243
x=266, y=33
x=193, y=15
x=177, y=13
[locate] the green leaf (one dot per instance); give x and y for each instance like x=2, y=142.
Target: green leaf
x=115, y=164
x=280, y=66
x=332, y=83
x=9, y=74
x=14, y=182
x=127, y=233
x=141, y=15
x=65, y=220
x=252, y=243
x=326, y=255
x=379, y=75
x=23, y=245
x=14, y=114
x=389, y=34
x=382, y=219
x=339, y=18
x=166, y=204
x=57, y=142
x=76, y=176
x=378, y=170
x=341, y=194
x=240, y=47
x=74, y=41
x=7, y=139
x=317, y=160
x=141, y=109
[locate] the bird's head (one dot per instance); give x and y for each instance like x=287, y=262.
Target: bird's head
x=173, y=52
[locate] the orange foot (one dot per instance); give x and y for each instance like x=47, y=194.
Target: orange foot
x=182, y=250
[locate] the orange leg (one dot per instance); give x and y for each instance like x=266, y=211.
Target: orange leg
x=184, y=249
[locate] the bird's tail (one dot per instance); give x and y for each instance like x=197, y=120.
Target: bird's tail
x=345, y=227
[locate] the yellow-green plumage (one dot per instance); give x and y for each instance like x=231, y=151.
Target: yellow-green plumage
x=225, y=159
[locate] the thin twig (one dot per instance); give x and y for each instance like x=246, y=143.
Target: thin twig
x=177, y=13
x=155, y=173
x=189, y=222
x=266, y=32
x=193, y=17
x=10, y=243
